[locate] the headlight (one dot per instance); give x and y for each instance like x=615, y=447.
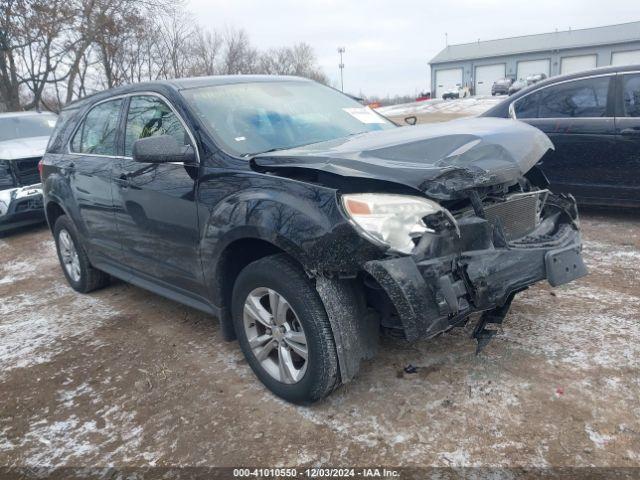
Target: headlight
x=393, y=220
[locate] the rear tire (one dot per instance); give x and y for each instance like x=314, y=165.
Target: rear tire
x=77, y=269
x=257, y=290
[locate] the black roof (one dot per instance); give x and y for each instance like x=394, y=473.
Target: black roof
x=183, y=84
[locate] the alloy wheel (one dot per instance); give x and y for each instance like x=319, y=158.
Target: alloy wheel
x=275, y=335
x=69, y=254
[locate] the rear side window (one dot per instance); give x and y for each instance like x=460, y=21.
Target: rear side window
x=150, y=116
x=631, y=95
x=582, y=98
x=97, y=133
x=577, y=99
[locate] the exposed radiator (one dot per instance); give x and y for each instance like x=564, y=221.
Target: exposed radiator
x=519, y=214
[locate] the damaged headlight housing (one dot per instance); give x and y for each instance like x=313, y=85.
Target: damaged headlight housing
x=388, y=219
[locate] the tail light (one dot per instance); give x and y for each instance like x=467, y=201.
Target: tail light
x=40, y=168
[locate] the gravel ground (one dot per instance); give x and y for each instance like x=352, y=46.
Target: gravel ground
x=124, y=377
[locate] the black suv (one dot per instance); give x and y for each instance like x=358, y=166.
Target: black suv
x=305, y=222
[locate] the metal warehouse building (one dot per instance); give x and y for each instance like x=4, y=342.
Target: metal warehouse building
x=477, y=65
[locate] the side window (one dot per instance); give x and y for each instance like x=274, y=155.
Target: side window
x=631, y=95
x=97, y=133
x=149, y=116
x=577, y=99
x=527, y=107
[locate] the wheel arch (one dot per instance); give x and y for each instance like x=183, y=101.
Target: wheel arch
x=232, y=259
x=53, y=210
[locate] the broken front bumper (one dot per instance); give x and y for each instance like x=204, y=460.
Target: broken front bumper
x=21, y=206
x=432, y=293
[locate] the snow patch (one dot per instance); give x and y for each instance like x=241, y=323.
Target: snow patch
x=464, y=106
x=598, y=439
x=32, y=326
x=457, y=458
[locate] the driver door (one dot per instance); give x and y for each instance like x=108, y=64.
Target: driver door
x=155, y=203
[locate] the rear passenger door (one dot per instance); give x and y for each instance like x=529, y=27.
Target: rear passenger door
x=89, y=167
x=628, y=136
x=577, y=115
x=155, y=203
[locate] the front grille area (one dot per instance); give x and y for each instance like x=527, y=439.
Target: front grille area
x=6, y=176
x=518, y=215
x=29, y=204
x=27, y=171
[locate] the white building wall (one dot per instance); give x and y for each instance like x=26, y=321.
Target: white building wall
x=603, y=53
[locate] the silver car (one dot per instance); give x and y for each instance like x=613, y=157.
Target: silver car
x=23, y=141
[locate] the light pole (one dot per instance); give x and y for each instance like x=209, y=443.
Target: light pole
x=341, y=66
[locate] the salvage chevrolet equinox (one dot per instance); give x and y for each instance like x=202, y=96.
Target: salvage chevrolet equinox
x=307, y=223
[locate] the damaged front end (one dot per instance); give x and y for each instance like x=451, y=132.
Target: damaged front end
x=462, y=209
x=494, y=248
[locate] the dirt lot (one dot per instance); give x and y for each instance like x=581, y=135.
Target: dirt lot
x=124, y=377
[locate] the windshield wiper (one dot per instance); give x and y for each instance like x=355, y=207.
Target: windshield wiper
x=274, y=149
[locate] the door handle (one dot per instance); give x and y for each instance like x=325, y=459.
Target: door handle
x=630, y=131
x=71, y=167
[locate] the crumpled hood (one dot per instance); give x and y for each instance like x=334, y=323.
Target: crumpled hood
x=23, y=148
x=440, y=159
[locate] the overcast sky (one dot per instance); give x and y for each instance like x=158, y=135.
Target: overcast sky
x=388, y=43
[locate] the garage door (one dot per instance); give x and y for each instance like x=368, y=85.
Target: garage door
x=577, y=63
x=447, y=79
x=631, y=57
x=531, y=67
x=486, y=75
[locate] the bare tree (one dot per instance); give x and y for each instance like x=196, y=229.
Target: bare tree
x=298, y=60
x=206, y=49
x=239, y=56
x=12, y=40
x=31, y=47
x=43, y=57
x=176, y=34
x=52, y=51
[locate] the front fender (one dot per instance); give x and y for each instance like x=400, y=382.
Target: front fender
x=299, y=218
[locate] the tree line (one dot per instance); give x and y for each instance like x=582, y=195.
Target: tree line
x=55, y=51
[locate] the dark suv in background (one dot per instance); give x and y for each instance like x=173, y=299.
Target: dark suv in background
x=501, y=86
x=304, y=221
x=593, y=120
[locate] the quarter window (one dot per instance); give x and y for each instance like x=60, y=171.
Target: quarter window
x=149, y=116
x=527, y=107
x=631, y=95
x=97, y=133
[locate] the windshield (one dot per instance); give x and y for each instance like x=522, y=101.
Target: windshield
x=26, y=126
x=250, y=118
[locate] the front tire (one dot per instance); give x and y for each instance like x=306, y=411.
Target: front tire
x=284, y=331
x=73, y=258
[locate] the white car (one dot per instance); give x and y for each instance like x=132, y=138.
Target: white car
x=23, y=141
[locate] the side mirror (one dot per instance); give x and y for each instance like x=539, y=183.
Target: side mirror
x=162, y=149
x=412, y=120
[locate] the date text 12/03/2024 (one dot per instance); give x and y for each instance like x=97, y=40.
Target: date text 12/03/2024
x=315, y=473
